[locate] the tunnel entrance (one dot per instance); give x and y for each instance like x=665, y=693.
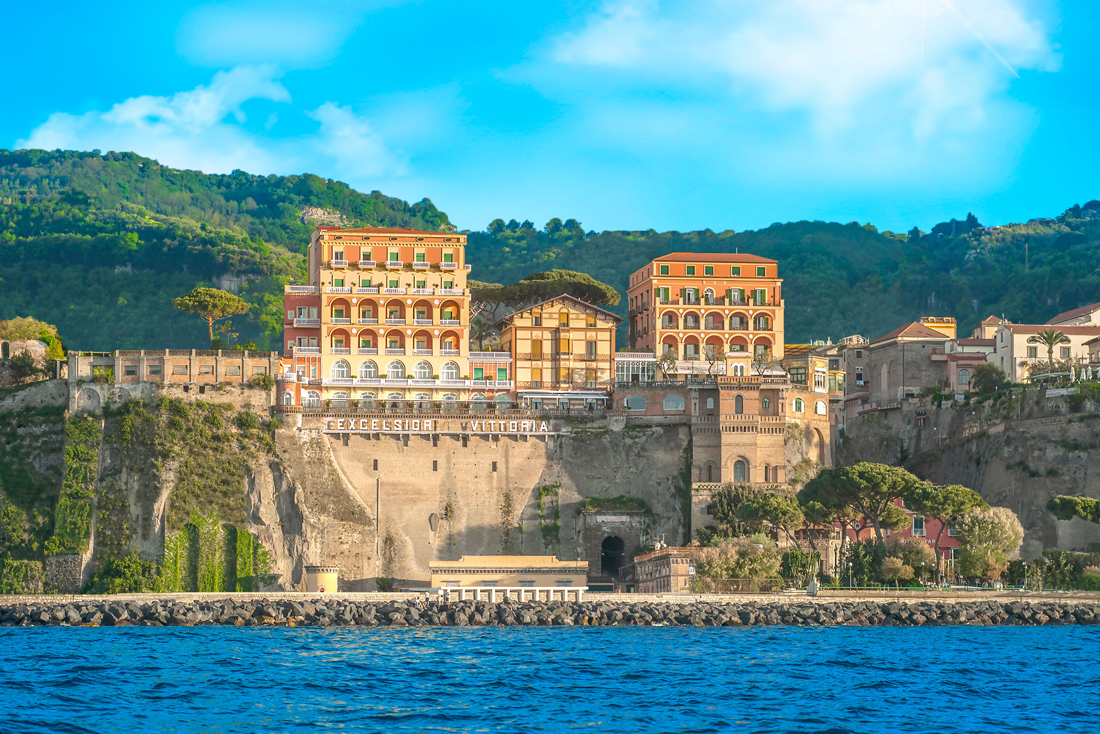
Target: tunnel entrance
x=612, y=555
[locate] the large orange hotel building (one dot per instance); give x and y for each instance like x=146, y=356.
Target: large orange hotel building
x=385, y=318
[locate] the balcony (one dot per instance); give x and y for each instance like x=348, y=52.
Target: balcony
x=307, y=322
x=307, y=350
x=367, y=263
x=421, y=265
x=449, y=352
x=394, y=291
x=422, y=383
x=370, y=291
x=338, y=289
x=395, y=351
x=422, y=322
x=422, y=352
x=448, y=266
x=338, y=263
x=340, y=321
x=450, y=322
x=340, y=381
x=394, y=264
x=368, y=322
x=341, y=350
x=422, y=291
x=451, y=292
x=368, y=350
x=493, y=356
x=301, y=289
x=395, y=322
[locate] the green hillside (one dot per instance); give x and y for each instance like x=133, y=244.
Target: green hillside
x=100, y=244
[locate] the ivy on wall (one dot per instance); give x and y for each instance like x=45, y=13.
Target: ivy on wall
x=72, y=519
x=208, y=556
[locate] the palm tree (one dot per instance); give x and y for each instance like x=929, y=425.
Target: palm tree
x=1050, y=338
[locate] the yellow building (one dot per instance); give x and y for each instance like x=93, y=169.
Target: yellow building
x=563, y=353
x=384, y=320
x=534, y=575
x=689, y=304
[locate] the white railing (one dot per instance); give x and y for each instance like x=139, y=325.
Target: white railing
x=448, y=266
x=450, y=292
x=422, y=322
x=301, y=289
x=341, y=350
x=422, y=291
x=394, y=291
x=340, y=321
x=368, y=350
x=368, y=322
x=394, y=264
x=287, y=377
x=391, y=350
x=449, y=352
x=370, y=290
x=421, y=265
x=495, y=356
x=637, y=356
x=339, y=380
x=422, y=382
x=338, y=263
x=422, y=352
x=307, y=350
x=395, y=322
x=450, y=322
x=523, y=593
x=307, y=322
x=338, y=289
x=367, y=263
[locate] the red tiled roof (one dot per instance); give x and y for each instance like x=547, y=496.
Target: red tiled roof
x=992, y=320
x=915, y=330
x=386, y=230
x=1074, y=313
x=1067, y=330
x=716, y=257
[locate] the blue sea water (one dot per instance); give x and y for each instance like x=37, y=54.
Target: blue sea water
x=781, y=679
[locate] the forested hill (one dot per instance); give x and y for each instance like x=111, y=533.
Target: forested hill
x=99, y=245
x=845, y=279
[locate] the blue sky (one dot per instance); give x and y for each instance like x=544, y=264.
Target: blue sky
x=622, y=114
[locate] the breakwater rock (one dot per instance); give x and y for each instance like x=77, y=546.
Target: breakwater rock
x=330, y=611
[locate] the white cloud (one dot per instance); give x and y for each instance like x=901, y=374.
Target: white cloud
x=353, y=144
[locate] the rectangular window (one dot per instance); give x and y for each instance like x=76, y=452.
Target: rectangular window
x=760, y=271
x=233, y=370
x=536, y=377
x=590, y=350
x=952, y=532
x=590, y=377
x=1065, y=352
x=590, y=322
x=376, y=464
x=664, y=270
x=538, y=320
x=421, y=284
x=536, y=349
x=479, y=373
x=130, y=369
x=832, y=383
x=735, y=270
x=179, y=369
x=337, y=282
x=206, y=369
x=394, y=256
x=565, y=346
x=259, y=371
x=918, y=525
x=691, y=270
x=435, y=466
x=419, y=257
x=313, y=341
x=665, y=294
x=563, y=319
x=366, y=342
x=154, y=369
x=502, y=374
x=494, y=466
x=337, y=254
x=448, y=284
x=337, y=313
x=1033, y=352
x=708, y=270
x=393, y=284
x=448, y=257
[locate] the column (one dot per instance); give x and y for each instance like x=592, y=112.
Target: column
x=493, y=596
x=192, y=367
x=477, y=594
x=143, y=370
x=117, y=368
x=462, y=594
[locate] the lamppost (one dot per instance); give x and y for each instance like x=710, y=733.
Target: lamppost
x=850, y=574
x=922, y=573
x=1024, y=585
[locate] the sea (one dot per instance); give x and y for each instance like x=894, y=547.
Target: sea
x=538, y=679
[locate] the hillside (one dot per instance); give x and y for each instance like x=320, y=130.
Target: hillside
x=100, y=244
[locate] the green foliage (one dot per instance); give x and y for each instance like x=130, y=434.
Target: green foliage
x=614, y=503
x=738, y=558
x=126, y=575
x=261, y=382
x=867, y=489
x=778, y=511
x=1066, y=508
x=865, y=557
x=72, y=524
x=212, y=305
x=988, y=537
x=987, y=378
x=725, y=503
x=1049, y=338
x=800, y=566
x=19, y=576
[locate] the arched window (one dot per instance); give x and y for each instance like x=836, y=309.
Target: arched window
x=395, y=370
x=450, y=371
x=740, y=471
x=799, y=406
x=450, y=401
x=340, y=368
x=477, y=401
x=673, y=402
x=964, y=377
x=635, y=402
x=668, y=321
x=368, y=369
x=738, y=405
x=340, y=399
x=761, y=323
x=312, y=399
x=503, y=401
x=422, y=371
x=738, y=370
x=820, y=409
x=423, y=401
x=708, y=297
x=395, y=400
x=366, y=401
x=710, y=402
x=288, y=398
x=765, y=403
x=710, y=472
x=691, y=321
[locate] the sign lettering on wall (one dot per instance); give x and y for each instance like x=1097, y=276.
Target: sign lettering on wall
x=533, y=427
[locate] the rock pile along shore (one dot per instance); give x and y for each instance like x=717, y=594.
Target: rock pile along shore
x=331, y=612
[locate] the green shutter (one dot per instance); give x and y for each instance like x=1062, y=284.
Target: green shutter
x=683, y=295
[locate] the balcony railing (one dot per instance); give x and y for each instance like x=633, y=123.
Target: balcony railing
x=338, y=263
x=422, y=291
x=340, y=381
x=422, y=322
x=450, y=352
x=424, y=382
x=422, y=352
x=341, y=350
x=450, y=322
x=394, y=264
x=497, y=356
x=340, y=321
x=394, y=291
x=338, y=289
x=307, y=322
x=395, y=322
x=448, y=266
x=421, y=265
x=307, y=350
x=368, y=350
x=301, y=289
x=370, y=290
x=368, y=322
x=396, y=351
x=367, y=263
x=450, y=292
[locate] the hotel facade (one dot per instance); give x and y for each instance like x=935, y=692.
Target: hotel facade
x=687, y=304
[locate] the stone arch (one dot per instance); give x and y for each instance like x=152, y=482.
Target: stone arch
x=88, y=399
x=740, y=470
x=612, y=555
x=817, y=446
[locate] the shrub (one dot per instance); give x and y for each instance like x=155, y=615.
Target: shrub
x=129, y=575
x=265, y=382
x=247, y=421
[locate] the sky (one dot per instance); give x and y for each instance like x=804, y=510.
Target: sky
x=623, y=114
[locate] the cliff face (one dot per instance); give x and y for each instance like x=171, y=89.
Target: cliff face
x=1017, y=451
